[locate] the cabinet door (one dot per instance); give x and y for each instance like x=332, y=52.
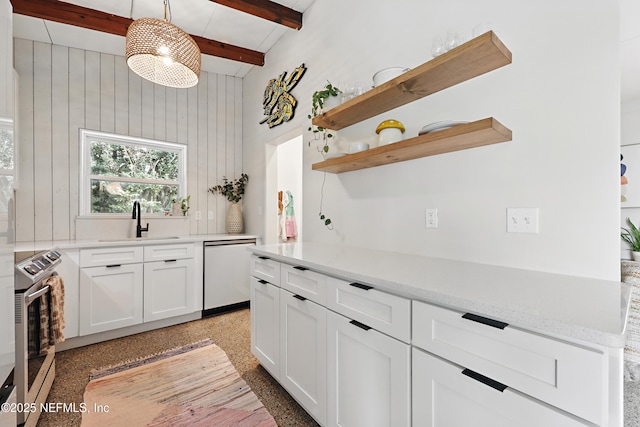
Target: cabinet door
x=303, y=352
x=265, y=325
x=443, y=397
x=367, y=376
x=110, y=297
x=69, y=270
x=168, y=289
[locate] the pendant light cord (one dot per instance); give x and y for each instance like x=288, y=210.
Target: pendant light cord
x=166, y=5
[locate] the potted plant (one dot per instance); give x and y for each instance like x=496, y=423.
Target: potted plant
x=184, y=205
x=631, y=235
x=233, y=191
x=318, y=100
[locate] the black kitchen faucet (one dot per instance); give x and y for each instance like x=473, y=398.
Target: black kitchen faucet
x=137, y=215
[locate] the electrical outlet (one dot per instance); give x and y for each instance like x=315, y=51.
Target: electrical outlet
x=198, y=215
x=522, y=220
x=210, y=215
x=431, y=218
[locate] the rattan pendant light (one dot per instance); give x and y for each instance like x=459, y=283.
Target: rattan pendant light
x=160, y=52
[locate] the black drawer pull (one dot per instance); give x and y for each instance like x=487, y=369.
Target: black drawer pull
x=298, y=267
x=484, y=380
x=171, y=260
x=114, y=265
x=360, y=325
x=485, y=321
x=264, y=282
x=361, y=286
x=264, y=257
x=300, y=297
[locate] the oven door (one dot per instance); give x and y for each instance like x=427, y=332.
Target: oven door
x=35, y=368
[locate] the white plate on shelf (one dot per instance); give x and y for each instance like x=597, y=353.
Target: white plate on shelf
x=446, y=124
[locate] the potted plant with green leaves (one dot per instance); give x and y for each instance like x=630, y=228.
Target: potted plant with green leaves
x=631, y=235
x=184, y=205
x=319, y=100
x=233, y=191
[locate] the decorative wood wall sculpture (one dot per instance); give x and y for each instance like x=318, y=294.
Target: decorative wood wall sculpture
x=279, y=105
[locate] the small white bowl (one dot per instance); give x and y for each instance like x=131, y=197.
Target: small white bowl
x=387, y=74
x=356, y=147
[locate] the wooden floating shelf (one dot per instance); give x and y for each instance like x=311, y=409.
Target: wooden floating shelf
x=471, y=59
x=476, y=134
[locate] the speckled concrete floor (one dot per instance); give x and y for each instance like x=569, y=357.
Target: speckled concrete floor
x=230, y=331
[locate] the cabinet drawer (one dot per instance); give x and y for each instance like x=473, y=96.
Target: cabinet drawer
x=447, y=395
x=303, y=282
x=98, y=257
x=382, y=311
x=567, y=376
x=168, y=252
x=266, y=269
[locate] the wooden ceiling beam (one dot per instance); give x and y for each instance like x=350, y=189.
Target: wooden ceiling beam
x=67, y=13
x=268, y=10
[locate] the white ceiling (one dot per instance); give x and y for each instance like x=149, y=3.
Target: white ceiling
x=197, y=17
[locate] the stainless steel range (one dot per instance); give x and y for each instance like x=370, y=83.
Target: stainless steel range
x=35, y=302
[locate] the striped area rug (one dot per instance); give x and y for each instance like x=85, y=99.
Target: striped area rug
x=194, y=385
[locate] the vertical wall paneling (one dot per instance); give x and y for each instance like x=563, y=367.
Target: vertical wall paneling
x=148, y=115
x=237, y=124
x=60, y=142
x=160, y=113
x=222, y=152
x=76, y=121
x=107, y=93
x=171, y=114
x=212, y=176
x=25, y=200
x=135, y=104
x=43, y=226
x=192, y=151
x=200, y=203
x=92, y=90
x=63, y=90
x=121, y=99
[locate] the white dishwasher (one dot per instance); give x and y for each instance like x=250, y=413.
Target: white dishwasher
x=226, y=275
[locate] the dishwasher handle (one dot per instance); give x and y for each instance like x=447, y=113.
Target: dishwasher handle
x=230, y=242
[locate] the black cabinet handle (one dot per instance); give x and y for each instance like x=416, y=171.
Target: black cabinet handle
x=114, y=265
x=171, y=260
x=485, y=321
x=484, y=380
x=361, y=286
x=264, y=257
x=298, y=267
x=264, y=282
x=300, y=297
x=360, y=325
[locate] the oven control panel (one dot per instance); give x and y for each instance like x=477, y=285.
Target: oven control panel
x=30, y=270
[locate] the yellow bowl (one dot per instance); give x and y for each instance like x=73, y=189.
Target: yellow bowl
x=390, y=124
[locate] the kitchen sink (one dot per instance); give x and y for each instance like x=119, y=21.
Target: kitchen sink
x=131, y=239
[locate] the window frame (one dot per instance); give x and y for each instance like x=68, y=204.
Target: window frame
x=84, y=191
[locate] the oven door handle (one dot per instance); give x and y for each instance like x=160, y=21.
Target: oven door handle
x=36, y=294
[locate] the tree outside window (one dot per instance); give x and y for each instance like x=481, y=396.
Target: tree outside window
x=118, y=170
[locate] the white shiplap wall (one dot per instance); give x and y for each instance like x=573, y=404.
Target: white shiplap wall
x=62, y=90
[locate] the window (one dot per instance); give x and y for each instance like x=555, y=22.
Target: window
x=6, y=165
x=117, y=170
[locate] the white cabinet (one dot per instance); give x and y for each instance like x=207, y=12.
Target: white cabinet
x=168, y=289
x=446, y=395
x=265, y=324
x=367, y=376
x=69, y=270
x=303, y=352
x=110, y=297
x=126, y=286
x=547, y=369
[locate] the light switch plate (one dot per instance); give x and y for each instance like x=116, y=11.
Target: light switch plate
x=431, y=218
x=522, y=220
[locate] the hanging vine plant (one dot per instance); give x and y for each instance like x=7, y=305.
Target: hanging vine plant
x=321, y=136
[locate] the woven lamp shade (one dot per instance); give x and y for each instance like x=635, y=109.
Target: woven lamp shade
x=160, y=52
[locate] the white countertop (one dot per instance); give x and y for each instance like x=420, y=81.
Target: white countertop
x=92, y=243
x=590, y=310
